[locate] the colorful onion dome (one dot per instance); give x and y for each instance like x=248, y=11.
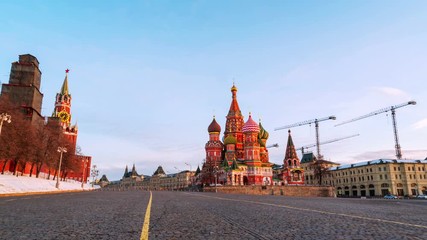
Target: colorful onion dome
x=214, y=126
x=250, y=125
x=261, y=142
x=230, y=139
x=263, y=134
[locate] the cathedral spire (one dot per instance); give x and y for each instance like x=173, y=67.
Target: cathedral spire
x=290, y=148
x=64, y=88
x=234, y=107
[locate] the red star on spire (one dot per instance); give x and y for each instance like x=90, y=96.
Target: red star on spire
x=67, y=70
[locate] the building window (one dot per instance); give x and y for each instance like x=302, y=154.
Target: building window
x=398, y=168
x=381, y=177
x=379, y=169
x=413, y=168
x=385, y=176
x=385, y=168
x=394, y=168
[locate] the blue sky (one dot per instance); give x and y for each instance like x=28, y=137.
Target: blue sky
x=147, y=76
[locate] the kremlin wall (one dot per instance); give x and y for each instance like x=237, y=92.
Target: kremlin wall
x=40, y=135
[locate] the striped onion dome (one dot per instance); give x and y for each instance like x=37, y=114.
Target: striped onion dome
x=250, y=125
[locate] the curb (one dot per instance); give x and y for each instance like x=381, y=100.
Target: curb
x=42, y=193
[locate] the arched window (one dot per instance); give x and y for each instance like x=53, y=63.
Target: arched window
x=384, y=185
x=371, y=186
x=290, y=163
x=354, y=187
x=399, y=185
x=413, y=185
x=362, y=186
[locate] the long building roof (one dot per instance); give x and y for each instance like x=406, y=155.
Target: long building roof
x=378, y=161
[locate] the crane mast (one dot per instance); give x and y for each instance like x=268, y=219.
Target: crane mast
x=316, y=124
x=326, y=142
x=393, y=118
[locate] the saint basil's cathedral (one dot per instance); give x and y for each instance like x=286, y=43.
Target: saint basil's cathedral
x=242, y=157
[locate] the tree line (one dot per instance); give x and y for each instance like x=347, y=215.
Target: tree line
x=25, y=143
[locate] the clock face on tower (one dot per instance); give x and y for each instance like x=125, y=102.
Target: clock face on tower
x=64, y=116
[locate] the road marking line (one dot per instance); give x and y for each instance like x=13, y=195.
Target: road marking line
x=317, y=211
x=146, y=225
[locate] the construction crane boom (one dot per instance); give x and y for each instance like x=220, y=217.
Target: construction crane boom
x=316, y=122
x=326, y=142
x=276, y=145
x=393, y=117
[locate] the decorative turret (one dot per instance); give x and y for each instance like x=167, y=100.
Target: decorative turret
x=251, y=130
x=126, y=174
x=291, y=157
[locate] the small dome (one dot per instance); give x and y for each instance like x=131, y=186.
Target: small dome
x=261, y=142
x=250, y=125
x=230, y=139
x=233, y=88
x=263, y=134
x=214, y=126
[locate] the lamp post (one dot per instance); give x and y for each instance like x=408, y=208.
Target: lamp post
x=61, y=150
x=84, y=170
x=216, y=178
x=4, y=117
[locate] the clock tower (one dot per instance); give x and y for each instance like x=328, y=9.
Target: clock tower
x=63, y=104
x=63, y=110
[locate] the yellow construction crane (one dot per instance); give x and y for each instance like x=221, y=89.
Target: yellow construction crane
x=316, y=124
x=393, y=117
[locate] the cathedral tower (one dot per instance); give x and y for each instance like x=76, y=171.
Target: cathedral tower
x=214, y=146
x=234, y=124
x=62, y=110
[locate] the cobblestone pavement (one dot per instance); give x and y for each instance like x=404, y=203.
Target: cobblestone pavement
x=85, y=215
x=190, y=215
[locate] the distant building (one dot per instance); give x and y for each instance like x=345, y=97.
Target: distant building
x=103, y=181
x=132, y=176
x=315, y=169
x=379, y=177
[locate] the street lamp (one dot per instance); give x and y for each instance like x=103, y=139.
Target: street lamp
x=84, y=170
x=4, y=117
x=216, y=178
x=60, y=150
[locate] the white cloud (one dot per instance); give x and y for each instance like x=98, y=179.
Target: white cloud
x=420, y=124
x=392, y=91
